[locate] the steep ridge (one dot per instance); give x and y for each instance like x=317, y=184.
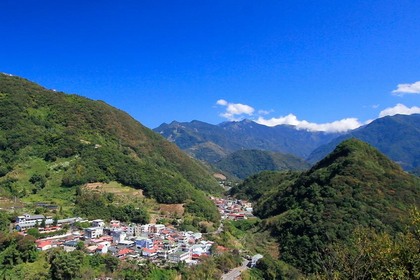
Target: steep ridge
x=354, y=186
x=89, y=141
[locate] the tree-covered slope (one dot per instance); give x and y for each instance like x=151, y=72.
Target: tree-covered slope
x=354, y=186
x=244, y=163
x=265, y=183
x=397, y=136
x=83, y=141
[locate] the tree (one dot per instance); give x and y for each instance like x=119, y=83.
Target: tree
x=66, y=265
x=34, y=232
x=80, y=246
x=4, y=221
x=111, y=262
x=43, y=223
x=55, y=221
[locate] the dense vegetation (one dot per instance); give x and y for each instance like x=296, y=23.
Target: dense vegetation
x=395, y=136
x=264, y=183
x=51, y=142
x=96, y=205
x=356, y=186
x=244, y=163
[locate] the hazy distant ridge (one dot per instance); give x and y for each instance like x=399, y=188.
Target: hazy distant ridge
x=213, y=142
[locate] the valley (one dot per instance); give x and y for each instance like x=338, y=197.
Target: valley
x=206, y=197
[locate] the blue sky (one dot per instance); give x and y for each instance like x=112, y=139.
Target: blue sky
x=321, y=65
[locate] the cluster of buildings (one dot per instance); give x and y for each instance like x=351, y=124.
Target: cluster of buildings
x=233, y=209
x=151, y=241
x=133, y=241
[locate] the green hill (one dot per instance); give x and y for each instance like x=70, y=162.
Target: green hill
x=51, y=142
x=244, y=163
x=354, y=186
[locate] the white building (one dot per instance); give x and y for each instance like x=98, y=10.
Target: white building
x=179, y=256
x=98, y=223
x=118, y=236
x=29, y=221
x=93, y=232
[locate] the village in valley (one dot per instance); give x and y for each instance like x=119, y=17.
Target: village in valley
x=160, y=243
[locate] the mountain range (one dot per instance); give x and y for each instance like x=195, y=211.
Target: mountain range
x=396, y=136
x=213, y=142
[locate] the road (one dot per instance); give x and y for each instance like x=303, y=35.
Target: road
x=219, y=230
x=236, y=272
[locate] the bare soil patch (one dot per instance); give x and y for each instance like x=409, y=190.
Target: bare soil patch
x=219, y=176
x=114, y=188
x=171, y=209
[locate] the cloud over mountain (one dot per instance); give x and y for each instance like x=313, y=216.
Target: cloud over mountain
x=238, y=111
x=336, y=126
x=399, y=109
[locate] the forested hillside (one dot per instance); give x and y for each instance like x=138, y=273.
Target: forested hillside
x=51, y=142
x=354, y=187
x=244, y=163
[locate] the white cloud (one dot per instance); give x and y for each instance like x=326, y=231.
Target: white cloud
x=407, y=89
x=336, y=126
x=399, y=109
x=265, y=112
x=235, y=110
x=375, y=106
x=221, y=102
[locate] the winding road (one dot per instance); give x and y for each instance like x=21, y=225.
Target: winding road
x=236, y=272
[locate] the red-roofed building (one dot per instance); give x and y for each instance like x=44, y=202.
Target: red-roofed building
x=222, y=248
x=50, y=229
x=44, y=245
x=114, y=224
x=148, y=252
x=102, y=239
x=124, y=252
